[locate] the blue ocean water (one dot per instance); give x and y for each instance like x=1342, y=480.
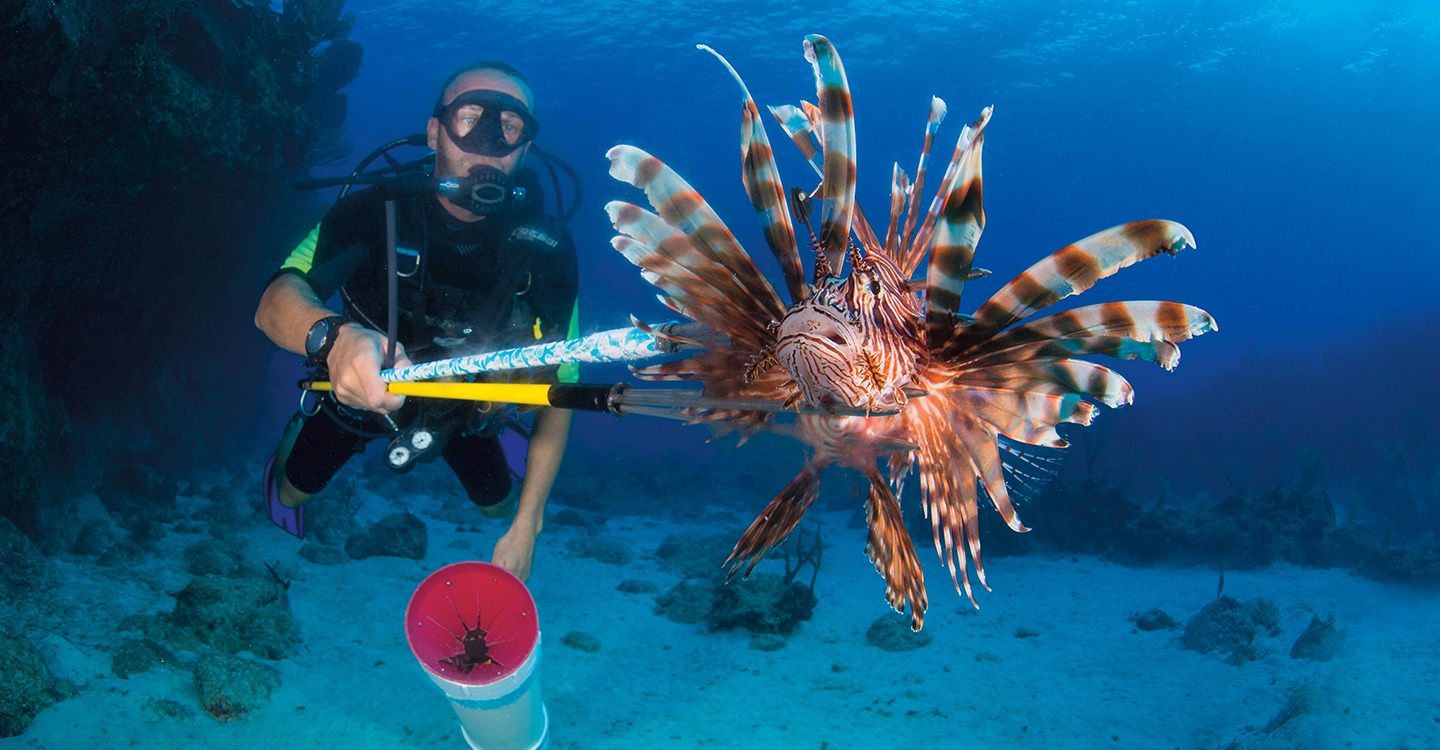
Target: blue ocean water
x=1296, y=140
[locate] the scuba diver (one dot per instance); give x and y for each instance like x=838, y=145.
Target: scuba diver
x=480, y=267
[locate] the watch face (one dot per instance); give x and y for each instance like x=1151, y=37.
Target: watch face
x=316, y=337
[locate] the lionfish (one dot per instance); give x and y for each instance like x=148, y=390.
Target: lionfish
x=944, y=394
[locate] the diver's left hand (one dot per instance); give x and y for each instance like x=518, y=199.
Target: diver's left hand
x=515, y=551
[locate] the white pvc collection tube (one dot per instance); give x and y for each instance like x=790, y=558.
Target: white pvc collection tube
x=498, y=701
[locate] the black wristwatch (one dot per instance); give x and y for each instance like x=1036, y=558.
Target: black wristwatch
x=321, y=339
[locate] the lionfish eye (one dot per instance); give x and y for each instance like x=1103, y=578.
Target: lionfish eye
x=874, y=286
x=835, y=338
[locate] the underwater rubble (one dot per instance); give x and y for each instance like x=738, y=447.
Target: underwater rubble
x=1319, y=642
x=766, y=604
x=26, y=685
x=1229, y=625
x=396, y=535
x=891, y=632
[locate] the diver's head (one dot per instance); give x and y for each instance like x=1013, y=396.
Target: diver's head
x=481, y=129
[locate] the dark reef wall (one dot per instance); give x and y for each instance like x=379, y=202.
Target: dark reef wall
x=148, y=147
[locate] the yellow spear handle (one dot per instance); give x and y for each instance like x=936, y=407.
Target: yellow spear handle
x=537, y=394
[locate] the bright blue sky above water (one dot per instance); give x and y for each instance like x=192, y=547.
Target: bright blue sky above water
x=1297, y=140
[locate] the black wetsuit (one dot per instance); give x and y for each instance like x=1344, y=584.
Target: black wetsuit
x=505, y=281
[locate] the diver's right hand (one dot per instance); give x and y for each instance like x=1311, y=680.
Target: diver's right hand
x=355, y=364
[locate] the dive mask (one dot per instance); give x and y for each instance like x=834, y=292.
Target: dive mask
x=485, y=191
x=487, y=122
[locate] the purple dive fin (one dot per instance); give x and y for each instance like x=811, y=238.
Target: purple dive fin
x=289, y=519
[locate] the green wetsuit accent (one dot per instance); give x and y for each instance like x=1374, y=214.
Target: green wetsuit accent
x=570, y=373
x=303, y=256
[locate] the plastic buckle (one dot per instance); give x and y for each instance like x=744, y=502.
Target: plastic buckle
x=412, y=255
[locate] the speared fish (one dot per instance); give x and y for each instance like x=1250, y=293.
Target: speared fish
x=963, y=395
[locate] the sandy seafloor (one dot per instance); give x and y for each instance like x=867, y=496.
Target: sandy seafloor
x=1088, y=680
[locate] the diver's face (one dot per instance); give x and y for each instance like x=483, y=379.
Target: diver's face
x=453, y=162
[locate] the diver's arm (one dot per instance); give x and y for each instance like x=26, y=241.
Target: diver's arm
x=289, y=308
x=516, y=549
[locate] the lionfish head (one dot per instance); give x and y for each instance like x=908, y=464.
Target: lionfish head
x=819, y=344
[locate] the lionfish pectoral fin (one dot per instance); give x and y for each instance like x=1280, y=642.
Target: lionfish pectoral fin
x=911, y=391
x=662, y=334
x=761, y=361
x=777, y=520
x=793, y=400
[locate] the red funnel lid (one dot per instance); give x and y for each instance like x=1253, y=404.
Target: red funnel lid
x=478, y=616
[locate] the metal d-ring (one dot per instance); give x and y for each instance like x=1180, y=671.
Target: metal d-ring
x=303, y=393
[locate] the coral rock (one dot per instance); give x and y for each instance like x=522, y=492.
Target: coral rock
x=582, y=642
x=398, y=535
x=26, y=685
x=891, y=632
x=1319, y=642
x=762, y=603
x=230, y=687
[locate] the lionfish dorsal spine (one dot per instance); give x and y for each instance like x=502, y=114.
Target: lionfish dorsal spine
x=763, y=185
x=905, y=251
x=837, y=136
x=957, y=232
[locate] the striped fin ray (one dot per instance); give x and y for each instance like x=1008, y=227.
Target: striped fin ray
x=1053, y=378
x=730, y=308
x=762, y=183
x=662, y=273
x=683, y=208
x=779, y=517
x=837, y=138
x=1163, y=353
x=957, y=232
x=1071, y=270
x=985, y=459
x=802, y=128
x=921, y=242
x=1142, y=321
x=937, y=116
x=816, y=122
x=893, y=554
x=795, y=125
x=1027, y=417
x=948, y=485
x=652, y=240
x=899, y=190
